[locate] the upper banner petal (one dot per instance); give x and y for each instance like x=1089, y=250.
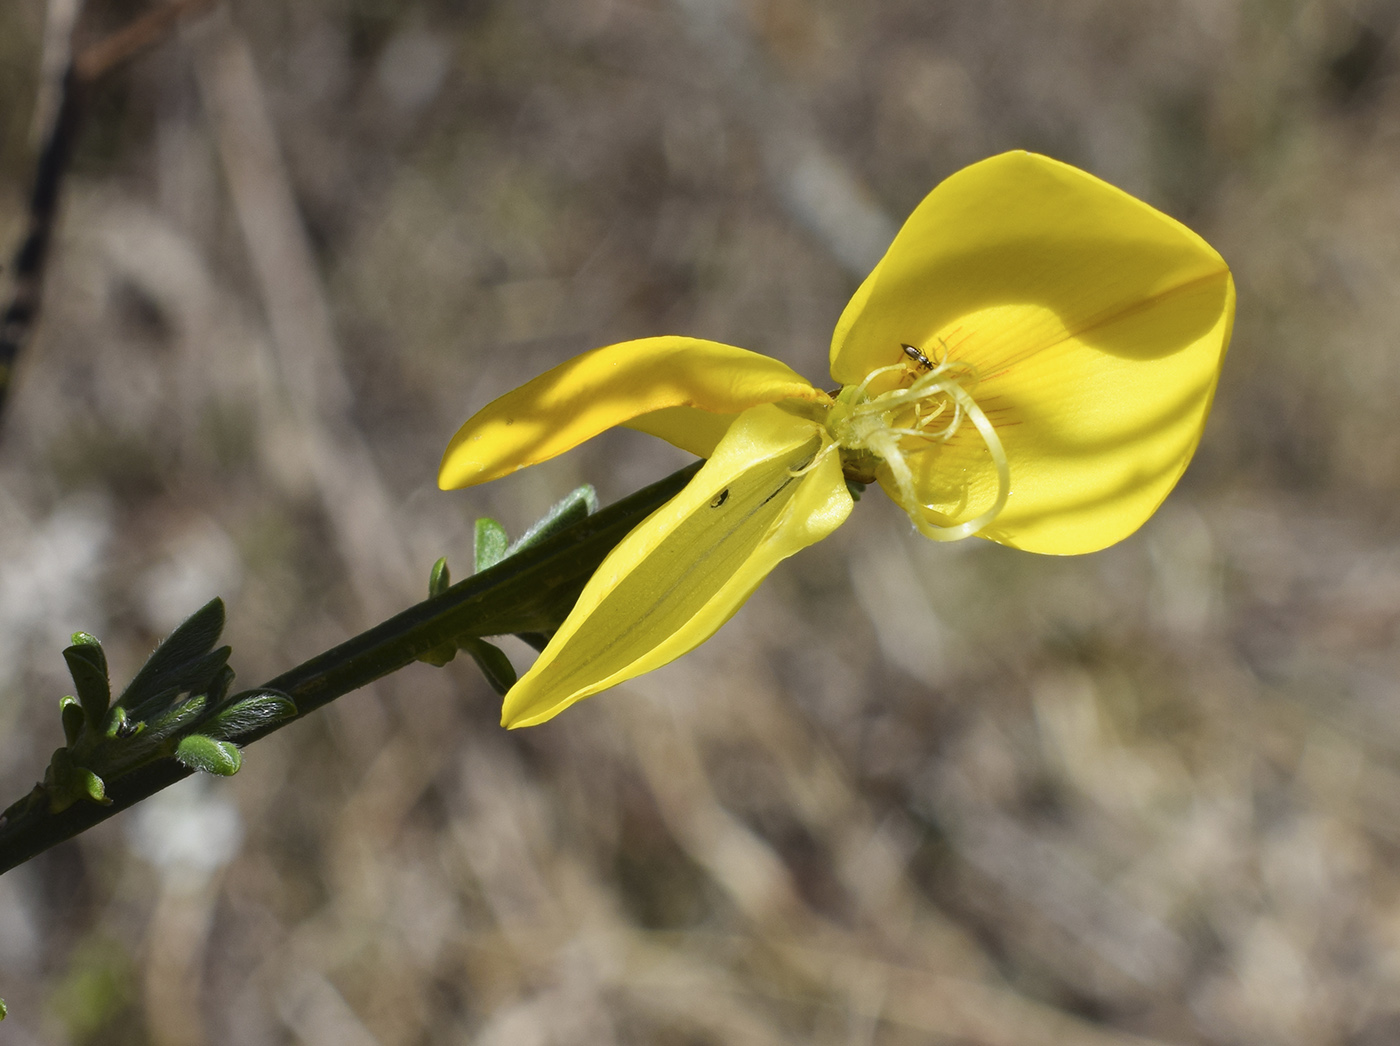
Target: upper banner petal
x=685, y=571
x=611, y=386
x=1093, y=327
x=1094, y=440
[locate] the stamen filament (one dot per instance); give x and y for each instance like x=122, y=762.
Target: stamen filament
x=864, y=385
x=865, y=424
x=998, y=452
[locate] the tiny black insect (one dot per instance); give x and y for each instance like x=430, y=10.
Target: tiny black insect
x=720, y=498
x=918, y=357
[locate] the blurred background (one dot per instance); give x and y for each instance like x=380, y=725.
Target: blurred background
x=913, y=793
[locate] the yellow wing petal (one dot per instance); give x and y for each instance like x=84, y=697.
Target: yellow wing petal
x=684, y=572
x=1095, y=325
x=611, y=386
x=690, y=428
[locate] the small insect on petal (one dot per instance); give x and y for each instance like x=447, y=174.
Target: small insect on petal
x=918, y=357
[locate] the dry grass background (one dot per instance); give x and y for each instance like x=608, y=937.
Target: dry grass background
x=912, y=794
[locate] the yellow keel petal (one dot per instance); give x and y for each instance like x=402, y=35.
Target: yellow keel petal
x=679, y=576
x=612, y=386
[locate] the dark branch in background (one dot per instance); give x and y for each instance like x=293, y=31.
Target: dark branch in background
x=17, y=323
x=55, y=153
x=529, y=592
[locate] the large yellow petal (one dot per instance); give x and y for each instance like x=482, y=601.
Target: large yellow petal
x=1095, y=326
x=613, y=386
x=684, y=572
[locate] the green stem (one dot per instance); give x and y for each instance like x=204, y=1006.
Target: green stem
x=530, y=591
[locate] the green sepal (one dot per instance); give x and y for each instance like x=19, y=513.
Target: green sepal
x=198, y=752
x=492, y=661
x=491, y=543
x=855, y=489
x=88, y=667
x=577, y=505
x=439, y=578
x=70, y=710
x=249, y=711
x=2, y=1009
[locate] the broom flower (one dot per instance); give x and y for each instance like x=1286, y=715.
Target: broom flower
x=1031, y=362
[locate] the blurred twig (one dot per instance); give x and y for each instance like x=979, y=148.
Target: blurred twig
x=17, y=322
x=307, y=355
x=58, y=135
x=931, y=987
x=125, y=44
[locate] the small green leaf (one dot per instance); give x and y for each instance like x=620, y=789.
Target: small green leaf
x=491, y=544
x=70, y=710
x=92, y=786
x=492, y=661
x=213, y=757
x=170, y=663
x=118, y=723
x=90, y=642
x=440, y=578
x=199, y=675
x=219, y=687
x=2, y=1009
x=439, y=655
x=248, y=711
x=439, y=581
x=62, y=781
x=184, y=714
x=578, y=504
x=88, y=667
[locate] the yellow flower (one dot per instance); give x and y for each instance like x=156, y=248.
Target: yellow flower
x=1032, y=361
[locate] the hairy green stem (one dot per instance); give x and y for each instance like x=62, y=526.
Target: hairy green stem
x=530, y=592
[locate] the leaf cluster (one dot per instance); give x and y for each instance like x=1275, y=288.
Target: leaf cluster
x=178, y=705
